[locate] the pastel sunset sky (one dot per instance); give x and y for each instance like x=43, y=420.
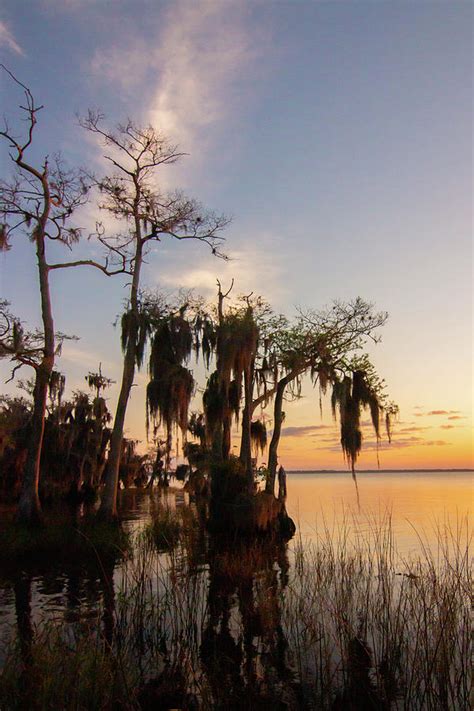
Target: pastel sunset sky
x=339, y=137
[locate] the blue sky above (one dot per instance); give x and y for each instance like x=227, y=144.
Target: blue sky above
x=338, y=135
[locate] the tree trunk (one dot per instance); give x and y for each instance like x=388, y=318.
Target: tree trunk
x=226, y=436
x=108, y=505
x=273, y=449
x=246, y=442
x=29, y=507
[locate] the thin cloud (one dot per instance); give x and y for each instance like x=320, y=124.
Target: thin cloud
x=87, y=359
x=244, y=266
x=409, y=430
x=457, y=417
x=303, y=430
x=7, y=40
x=381, y=446
x=438, y=412
x=193, y=67
x=205, y=49
x=371, y=446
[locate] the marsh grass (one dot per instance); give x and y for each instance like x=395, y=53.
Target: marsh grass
x=165, y=528
x=62, y=669
x=355, y=626
x=410, y=616
x=63, y=539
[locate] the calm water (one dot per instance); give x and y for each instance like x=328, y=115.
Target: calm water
x=418, y=503
x=236, y=609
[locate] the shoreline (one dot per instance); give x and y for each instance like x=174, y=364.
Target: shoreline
x=380, y=471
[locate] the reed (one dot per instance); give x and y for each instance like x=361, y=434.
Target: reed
x=344, y=623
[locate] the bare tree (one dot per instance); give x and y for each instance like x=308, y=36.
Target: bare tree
x=39, y=201
x=147, y=215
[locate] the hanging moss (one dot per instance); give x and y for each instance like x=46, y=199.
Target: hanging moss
x=57, y=383
x=205, y=338
x=391, y=413
x=168, y=397
x=5, y=245
x=172, y=343
x=171, y=385
x=213, y=402
x=258, y=435
x=197, y=426
x=125, y=324
x=237, y=338
x=142, y=323
x=235, y=396
x=350, y=396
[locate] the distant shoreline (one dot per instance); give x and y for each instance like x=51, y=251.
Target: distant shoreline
x=375, y=471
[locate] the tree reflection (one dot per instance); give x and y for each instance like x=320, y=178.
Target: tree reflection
x=244, y=649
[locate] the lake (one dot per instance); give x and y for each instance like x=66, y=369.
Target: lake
x=267, y=608
x=417, y=502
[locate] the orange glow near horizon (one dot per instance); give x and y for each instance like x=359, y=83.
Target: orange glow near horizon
x=433, y=437
x=435, y=451
x=422, y=441
x=433, y=448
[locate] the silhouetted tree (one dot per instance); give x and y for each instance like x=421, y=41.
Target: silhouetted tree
x=39, y=201
x=148, y=215
x=320, y=344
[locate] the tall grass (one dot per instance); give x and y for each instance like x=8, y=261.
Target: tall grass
x=410, y=616
x=343, y=623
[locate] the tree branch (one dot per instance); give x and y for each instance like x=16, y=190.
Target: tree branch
x=90, y=263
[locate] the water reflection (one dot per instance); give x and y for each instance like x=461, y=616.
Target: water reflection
x=244, y=649
x=196, y=622
x=240, y=649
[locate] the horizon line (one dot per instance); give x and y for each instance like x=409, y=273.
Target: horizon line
x=376, y=471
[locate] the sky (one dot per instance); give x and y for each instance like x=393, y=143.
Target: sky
x=338, y=136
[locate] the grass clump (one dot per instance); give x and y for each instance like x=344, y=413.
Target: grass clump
x=63, y=540
x=165, y=529
x=61, y=670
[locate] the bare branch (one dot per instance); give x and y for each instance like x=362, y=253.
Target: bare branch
x=90, y=263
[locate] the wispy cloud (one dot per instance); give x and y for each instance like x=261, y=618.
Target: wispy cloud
x=444, y=412
x=408, y=430
x=372, y=445
x=438, y=412
x=205, y=49
x=87, y=359
x=304, y=430
x=246, y=266
x=192, y=66
x=8, y=40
